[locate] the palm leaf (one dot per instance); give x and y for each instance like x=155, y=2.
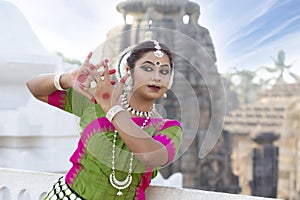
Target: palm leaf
x=268, y=80
x=296, y=77
x=281, y=57
x=268, y=69
x=288, y=66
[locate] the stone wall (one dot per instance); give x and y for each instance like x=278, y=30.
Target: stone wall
x=277, y=111
x=289, y=170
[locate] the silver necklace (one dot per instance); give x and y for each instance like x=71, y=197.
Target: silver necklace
x=120, y=185
x=126, y=106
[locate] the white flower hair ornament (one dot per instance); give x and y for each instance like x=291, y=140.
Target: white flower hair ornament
x=171, y=77
x=120, y=62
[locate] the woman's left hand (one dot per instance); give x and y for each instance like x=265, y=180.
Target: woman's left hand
x=106, y=94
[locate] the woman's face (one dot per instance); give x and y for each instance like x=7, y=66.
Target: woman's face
x=151, y=75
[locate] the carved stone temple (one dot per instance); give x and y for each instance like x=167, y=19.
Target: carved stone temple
x=265, y=133
x=175, y=23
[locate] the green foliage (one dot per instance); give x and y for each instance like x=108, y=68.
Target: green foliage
x=68, y=60
x=278, y=70
x=247, y=84
x=243, y=83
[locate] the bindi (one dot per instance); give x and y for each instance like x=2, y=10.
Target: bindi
x=105, y=96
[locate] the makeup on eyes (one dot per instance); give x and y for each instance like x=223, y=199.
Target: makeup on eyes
x=164, y=68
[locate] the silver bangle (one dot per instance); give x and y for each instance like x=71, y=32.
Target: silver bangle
x=113, y=111
x=56, y=82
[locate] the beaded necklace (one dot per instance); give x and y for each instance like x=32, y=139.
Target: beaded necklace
x=120, y=185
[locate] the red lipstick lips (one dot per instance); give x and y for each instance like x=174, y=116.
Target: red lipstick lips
x=154, y=87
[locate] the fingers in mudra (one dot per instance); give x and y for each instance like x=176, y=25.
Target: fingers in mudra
x=83, y=83
x=83, y=78
x=84, y=89
x=94, y=77
x=103, y=74
x=92, y=67
x=99, y=76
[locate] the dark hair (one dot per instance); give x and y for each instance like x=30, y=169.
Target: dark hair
x=145, y=47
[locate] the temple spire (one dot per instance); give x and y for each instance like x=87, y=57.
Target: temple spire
x=156, y=9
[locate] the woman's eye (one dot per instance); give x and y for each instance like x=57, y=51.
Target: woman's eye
x=147, y=68
x=164, y=71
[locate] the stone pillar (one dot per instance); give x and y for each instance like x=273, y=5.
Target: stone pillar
x=265, y=166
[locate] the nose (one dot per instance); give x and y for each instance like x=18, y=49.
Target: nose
x=156, y=76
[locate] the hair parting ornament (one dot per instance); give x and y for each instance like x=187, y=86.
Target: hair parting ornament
x=148, y=36
x=158, y=53
x=120, y=62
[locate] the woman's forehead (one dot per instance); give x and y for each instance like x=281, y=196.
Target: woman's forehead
x=149, y=56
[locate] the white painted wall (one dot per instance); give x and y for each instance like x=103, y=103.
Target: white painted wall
x=27, y=185
x=33, y=135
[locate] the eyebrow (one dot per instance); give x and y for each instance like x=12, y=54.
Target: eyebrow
x=149, y=62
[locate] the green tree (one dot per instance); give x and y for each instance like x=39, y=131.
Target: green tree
x=243, y=83
x=278, y=70
x=69, y=60
x=247, y=83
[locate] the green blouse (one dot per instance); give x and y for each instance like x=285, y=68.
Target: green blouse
x=89, y=175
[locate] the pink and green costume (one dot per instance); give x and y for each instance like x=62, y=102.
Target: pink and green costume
x=89, y=175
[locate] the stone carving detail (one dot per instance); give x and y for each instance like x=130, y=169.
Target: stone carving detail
x=215, y=169
x=276, y=111
x=265, y=166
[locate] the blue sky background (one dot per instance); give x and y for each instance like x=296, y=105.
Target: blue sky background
x=246, y=33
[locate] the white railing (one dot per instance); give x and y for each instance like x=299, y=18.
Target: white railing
x=28, y=185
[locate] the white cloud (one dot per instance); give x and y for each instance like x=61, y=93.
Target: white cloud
x=262, y=10
x=231, y=33
x=274, y=32
x=262, y=56
x=77, y=27
x=72, y=27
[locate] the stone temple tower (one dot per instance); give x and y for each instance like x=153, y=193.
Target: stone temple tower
x=196, y=98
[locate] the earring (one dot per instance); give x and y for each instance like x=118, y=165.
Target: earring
x=164, y=96
x=171, y=79
x=128, y=83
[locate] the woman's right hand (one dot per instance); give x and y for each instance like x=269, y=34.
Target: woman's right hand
x=83, y=77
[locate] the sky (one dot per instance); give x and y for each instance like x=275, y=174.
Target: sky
x=246, y=33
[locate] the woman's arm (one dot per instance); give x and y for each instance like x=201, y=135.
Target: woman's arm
x=43, y=85
x=145, y=148
x=80, y=79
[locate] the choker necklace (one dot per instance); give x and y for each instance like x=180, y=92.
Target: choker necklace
x=120, y=185
x=126, y=106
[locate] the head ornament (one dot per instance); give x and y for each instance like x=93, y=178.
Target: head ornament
x=120, y=62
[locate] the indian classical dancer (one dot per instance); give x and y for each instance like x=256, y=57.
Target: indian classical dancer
x=123, y=139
